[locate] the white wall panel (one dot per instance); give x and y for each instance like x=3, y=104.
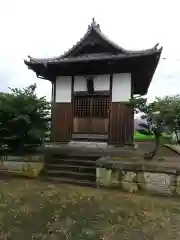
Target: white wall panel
x=63, y=89
x=121, y=87
x=102, y=82
x=80, y=84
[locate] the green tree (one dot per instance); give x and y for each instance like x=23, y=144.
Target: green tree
x=163, y=112
x=24, y=118
x=169, y=107
x=154, y=119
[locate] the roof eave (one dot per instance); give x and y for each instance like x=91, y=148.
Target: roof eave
x=76, y=60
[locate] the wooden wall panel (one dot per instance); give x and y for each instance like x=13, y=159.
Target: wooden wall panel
x=61, y=122
x=82, y=125
x=90, y=125
x=100, y=125
x=121, y=129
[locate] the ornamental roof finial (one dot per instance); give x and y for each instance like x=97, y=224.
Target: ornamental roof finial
x=94, y=24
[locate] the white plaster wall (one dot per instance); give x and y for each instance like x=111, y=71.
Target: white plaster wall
x=80, y=84
x=101, y=83
x=63, y=89
x=121, y=87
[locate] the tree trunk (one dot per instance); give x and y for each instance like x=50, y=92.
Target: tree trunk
x=177, y=137
x=150, y=155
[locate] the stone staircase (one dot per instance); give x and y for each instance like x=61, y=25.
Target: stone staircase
x=71, y=169
x=78, y=167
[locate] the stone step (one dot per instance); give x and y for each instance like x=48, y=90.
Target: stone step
x=75, y=168
x=69, y=173
x=84, y=142
x=64, y=166
x=71, y=161
x=72, y=181
x=80, y=176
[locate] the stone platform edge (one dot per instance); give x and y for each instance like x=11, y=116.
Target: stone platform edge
x=155, y=177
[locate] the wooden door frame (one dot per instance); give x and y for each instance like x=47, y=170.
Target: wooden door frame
x=107, y=97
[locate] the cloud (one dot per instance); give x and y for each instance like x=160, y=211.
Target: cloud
x=46, y=28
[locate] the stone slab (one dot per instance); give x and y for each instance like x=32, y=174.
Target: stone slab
x=88, y=144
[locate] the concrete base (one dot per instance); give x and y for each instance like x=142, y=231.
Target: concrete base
x=88, y=144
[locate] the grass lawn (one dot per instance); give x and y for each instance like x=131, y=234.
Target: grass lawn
x=142, y=137
x=30, y=209
x=138, y=137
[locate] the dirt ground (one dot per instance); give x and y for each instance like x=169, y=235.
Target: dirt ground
x=31, y=209
x=162, y=151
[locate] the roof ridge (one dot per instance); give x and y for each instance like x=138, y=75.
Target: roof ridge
x=96, y=27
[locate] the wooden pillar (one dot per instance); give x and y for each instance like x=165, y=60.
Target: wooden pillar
x=62, y=110
x=121, y=124
x=61, y=122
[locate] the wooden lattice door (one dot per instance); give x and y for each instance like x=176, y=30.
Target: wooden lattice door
x=91, y=114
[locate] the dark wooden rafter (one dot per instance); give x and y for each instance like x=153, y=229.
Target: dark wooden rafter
x=72, y=102
x=72, y=88
x=90, y=85
x=53, y=100
x=52, y=92
x=110, y=84
x=54, y=86
x=110, y=109
x=95, y=93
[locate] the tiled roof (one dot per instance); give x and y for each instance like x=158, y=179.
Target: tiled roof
x=88, y=57
x=66, y=57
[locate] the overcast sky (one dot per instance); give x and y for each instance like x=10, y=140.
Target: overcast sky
x=43, y=28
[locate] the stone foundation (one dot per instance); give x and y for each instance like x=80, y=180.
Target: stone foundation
x=28, y=165
x=158, y=183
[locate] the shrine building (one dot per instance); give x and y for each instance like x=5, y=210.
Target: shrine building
x=91, y=86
